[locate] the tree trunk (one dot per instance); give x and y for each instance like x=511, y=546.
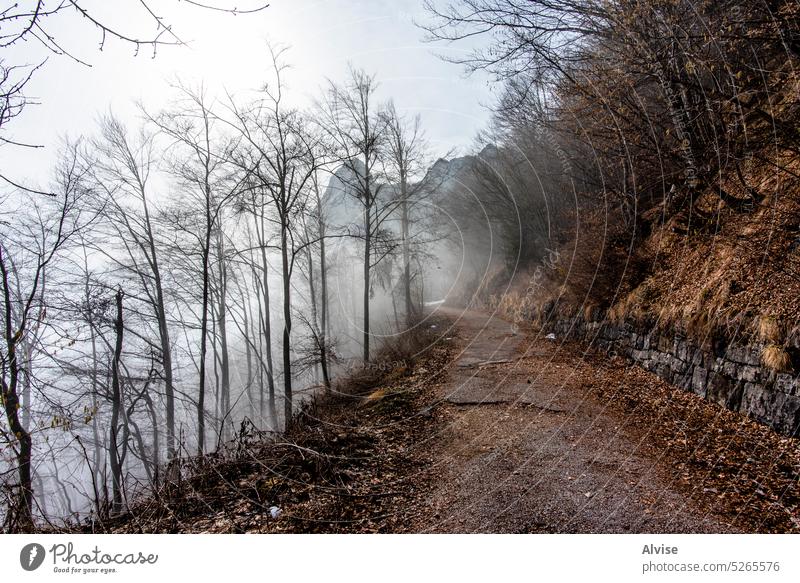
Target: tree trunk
x=259, y=334
x=26, y=388
x=201, y=395
x=223, y=336
x=116, y=405
x=10, y=402
x=163, y=331
x=367, y=255
x=410, y=311
x=267, y=322
x=312, y=293
x=95, y=404
x=156, y=460
x=248, y=316
x=324, y=311
x=217, y=417
x=287, y=327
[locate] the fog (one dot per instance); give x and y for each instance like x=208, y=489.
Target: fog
x=192, y=231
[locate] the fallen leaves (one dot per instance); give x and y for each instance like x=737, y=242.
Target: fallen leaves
x=350, y=464
x=727, y=463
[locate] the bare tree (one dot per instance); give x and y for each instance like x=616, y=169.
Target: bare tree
x=30, y=22
x=321, y=327
x=13, y=101
x=29, y=247
x=407, y=159
x=198, y=162
x=358, y=129
x=121, y=169
x=116, y=406
x=667, y=95
x=281, y=158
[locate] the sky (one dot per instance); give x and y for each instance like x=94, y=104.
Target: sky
x=229, y=54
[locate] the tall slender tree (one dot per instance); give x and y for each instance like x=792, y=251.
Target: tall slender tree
x=357, y=126
x=197, y=161
x=281, y=158
x=121, y=169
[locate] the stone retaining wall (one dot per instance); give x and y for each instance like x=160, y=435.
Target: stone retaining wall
x=729, y=375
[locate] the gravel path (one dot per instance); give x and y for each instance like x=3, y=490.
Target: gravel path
x=527, y=449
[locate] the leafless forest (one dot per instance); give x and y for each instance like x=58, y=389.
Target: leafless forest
x=197, y=276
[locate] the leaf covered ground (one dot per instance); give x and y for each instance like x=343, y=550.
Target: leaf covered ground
x=353, y=462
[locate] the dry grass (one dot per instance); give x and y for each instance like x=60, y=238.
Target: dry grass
x=520, y=304
x=590, y=312
x=375, y=396
x=722, y=275
x=702, y=326
x=768, y=330
x=776, y=358
x=633, y=306
x=739, y=275
x=617, y=312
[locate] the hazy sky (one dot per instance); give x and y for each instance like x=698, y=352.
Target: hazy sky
x=229, y=53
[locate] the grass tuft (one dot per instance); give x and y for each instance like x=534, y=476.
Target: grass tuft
x=776, y=358
x=768, y=329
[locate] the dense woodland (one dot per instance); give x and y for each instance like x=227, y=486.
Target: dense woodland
x=647, y=158
x=173, y=285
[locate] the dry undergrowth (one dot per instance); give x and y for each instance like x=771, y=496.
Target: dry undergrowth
x=347, y=465
x=776, y=358
x=707, y=271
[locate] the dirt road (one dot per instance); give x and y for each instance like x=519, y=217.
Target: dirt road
x=527, y=449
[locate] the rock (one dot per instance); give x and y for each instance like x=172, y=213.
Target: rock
x=682, y=350
x=722, y=391
x=786, y=383
x=730, y=375
x=750, y=374
x=679, y=366
x=730, y=369
x=744, y=355
x=774, y=408
x=699, y=377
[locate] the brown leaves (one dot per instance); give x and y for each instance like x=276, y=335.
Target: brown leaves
x=728, y=464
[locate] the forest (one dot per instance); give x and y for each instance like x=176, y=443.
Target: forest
x=205, y=273
x=172, y=286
